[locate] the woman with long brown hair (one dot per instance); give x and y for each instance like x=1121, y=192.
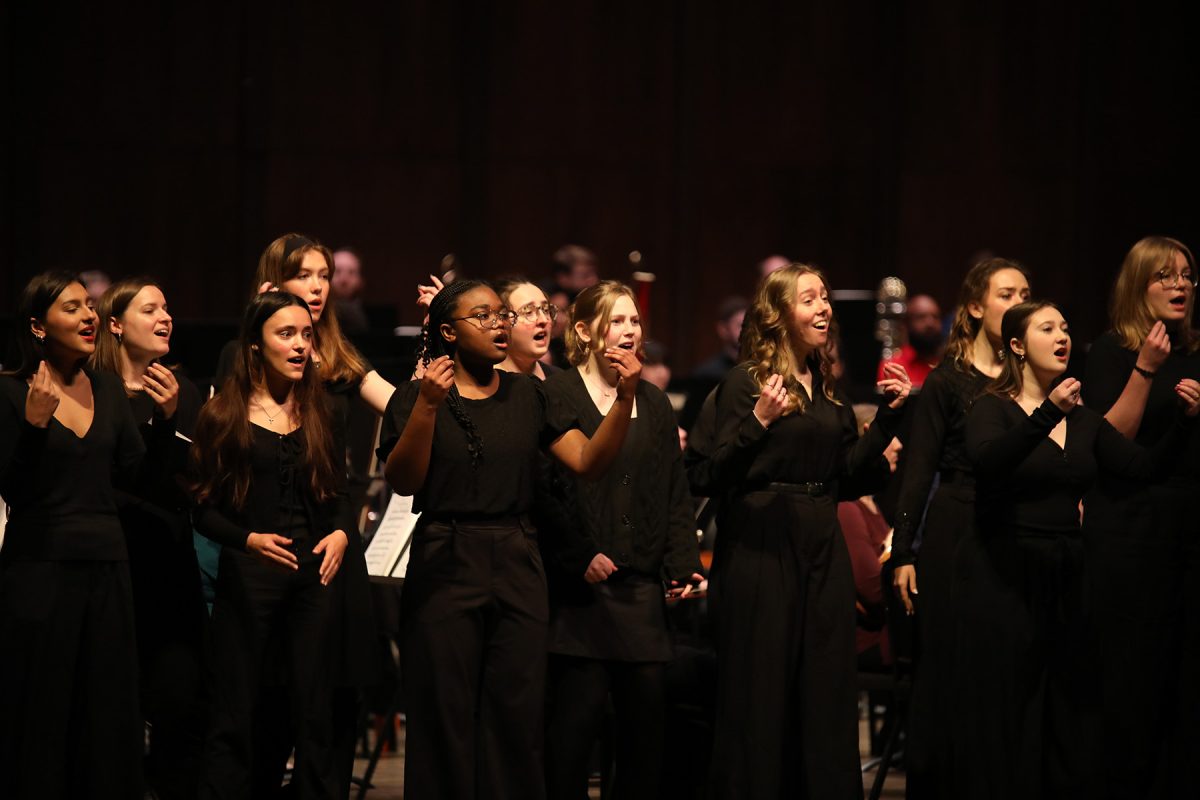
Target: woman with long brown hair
x=270, y=489
x=935, y=448
x=1024, y=677
x=1145, y=539
x=626, y=536
x=132, y=338
x=783, y=592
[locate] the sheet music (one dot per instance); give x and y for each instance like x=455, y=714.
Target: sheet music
x=387, y=553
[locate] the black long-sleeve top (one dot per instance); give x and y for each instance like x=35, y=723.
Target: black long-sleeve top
x=638, y=513
x=936, y=442
x=820, y=445
x=1029, y=486
x=163, y=493
x=61, y=488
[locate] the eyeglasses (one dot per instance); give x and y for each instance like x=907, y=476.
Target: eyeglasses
x=1171, y=280
x=488, y=320
x=529, y=312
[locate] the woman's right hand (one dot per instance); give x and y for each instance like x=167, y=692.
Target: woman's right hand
x=772, y=402
x=272, y=548
x=1154, y=351
x=600, y=569
x=905, y=580
x=1066, y=395
x=42, y=400
x=425, y=294
x=437, y=380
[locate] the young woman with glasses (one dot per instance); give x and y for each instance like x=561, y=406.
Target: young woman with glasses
x=464, y=441
x=1143, y=542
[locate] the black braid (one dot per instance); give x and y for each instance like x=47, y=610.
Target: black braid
x=441, y=310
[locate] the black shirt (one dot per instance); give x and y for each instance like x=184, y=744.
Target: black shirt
x=59, y=486
x=1029, y=486
x=936, y=443
x=515, y=424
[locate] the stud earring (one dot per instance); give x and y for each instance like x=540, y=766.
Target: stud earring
x=41, y=338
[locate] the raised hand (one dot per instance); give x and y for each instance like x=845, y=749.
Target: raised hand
x=334, y=547
x=772, y=402
x=1189, y=392
x=425, y=294
x=42, y=400
x=436, y=383
x=629, y=370
x=272, y=548
x=896, y=385
x=1066, y=394
x=162, y=387
x=1154, y=351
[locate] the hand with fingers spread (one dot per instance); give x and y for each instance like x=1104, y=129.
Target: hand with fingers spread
x=425, y=294
x=272, y=548
x=1188, y=391
x=600, y=569
x=772, y=402
x=42, y=400
x=1066, y=394
x=629, y=370
x=1154, y=351
x=905, y=579
x=334, y=547
x=163, y=388
x=895, y=385
x=437, y=380
x=696, y=583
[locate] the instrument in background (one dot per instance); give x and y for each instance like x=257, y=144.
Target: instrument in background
x=642, y=281
x=891, y=301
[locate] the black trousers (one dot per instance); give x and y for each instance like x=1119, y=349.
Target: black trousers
x=255, y=601
x=69, y=720
x=473, y=650
x=579, y=690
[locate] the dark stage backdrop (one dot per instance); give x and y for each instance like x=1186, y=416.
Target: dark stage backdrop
x=879, y=138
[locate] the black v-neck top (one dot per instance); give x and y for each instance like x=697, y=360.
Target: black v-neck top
x=60, y=488
x=1026, y=485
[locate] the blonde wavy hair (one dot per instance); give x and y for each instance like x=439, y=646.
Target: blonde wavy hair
x=766, y=344
x=593, y=307
x=1130, y=313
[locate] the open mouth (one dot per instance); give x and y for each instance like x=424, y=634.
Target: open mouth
x=88, y=334
x=164, y=333
x=1179, y=302
x=821, y=324
x=298, y=360
x=541, y=336
x=626, y=345
x=501, y=341
x=1062, y=352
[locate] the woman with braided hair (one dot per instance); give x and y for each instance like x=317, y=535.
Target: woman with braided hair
x=464, y=440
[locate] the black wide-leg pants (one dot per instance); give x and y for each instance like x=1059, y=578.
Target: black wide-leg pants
x=70, y=726
x=473, y=652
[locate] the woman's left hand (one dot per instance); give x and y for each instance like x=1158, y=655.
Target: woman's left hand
x=1189, y=392
x=697, y=583
x=895, y=385
x=629, y=370
x=162, y=387
x=334, y=547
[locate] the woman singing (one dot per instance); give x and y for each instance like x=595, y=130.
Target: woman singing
x=270, y=489
x=464, y=440
x=1024, y=672
x=783, y=597
x=936, y=448
x=628, y=534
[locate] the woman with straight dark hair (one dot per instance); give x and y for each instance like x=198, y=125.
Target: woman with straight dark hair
x=464, y=440
x=627, y=535
x=1024, y=679
x=782, y=590
x=270, y=490
x=132, y=338
x=68, y=676
x=1145, y=538
x=935, y=448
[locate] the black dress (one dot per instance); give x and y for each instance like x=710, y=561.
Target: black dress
x=256, y=602
x=783, y=596
x=474, y=616
x=1023, y=668
x=169, y=610
x=613, y=635
x=935, y=448
x=1146, y=540
x=68, y=677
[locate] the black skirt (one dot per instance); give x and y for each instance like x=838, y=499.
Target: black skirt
x=619, y=619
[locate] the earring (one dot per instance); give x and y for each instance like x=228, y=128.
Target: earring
x=120, y=338
x=40, y=337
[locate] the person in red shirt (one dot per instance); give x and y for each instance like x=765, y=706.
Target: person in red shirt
x=923, y=349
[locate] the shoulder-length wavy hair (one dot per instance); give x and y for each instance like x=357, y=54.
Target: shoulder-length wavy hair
x=960, y=349
x=1130, y=313
x=281, y=262
x=1015, y=325
x=766, y=344
x=593, y=307
x=114, y=303
x=36, y=299
x=224, y=439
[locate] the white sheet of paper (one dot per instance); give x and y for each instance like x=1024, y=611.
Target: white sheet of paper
x=387, y=553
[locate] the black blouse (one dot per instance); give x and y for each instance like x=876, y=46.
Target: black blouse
x=936, y=443
x=60, y=487
x=1029, y=486
x=638, y=513
x=515, y=424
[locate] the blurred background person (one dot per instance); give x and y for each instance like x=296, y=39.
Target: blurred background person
x=347, y=286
